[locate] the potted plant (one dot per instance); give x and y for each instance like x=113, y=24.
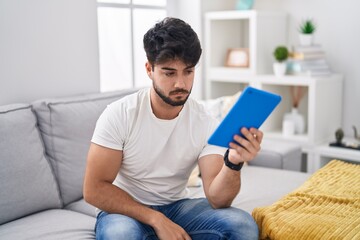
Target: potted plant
x=281, y=54
x=307, y=29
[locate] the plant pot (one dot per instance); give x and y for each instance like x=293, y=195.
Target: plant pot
x=279, y=69
x=306, y=39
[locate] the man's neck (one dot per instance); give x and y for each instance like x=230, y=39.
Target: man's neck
x=161, y=109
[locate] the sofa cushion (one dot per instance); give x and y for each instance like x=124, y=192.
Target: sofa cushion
x=50, y=225
x=27, y=184
x=81, y=206
x=67, y=125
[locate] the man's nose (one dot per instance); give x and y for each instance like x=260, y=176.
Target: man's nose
x=180, y=82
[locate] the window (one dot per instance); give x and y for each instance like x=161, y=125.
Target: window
x=122, y=25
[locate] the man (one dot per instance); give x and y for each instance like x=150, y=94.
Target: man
x=145, y=146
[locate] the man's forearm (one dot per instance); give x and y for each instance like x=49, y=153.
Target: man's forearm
x=224, y=187
x=112, y=199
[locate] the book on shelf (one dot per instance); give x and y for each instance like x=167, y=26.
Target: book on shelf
x=308, y=61
x=315, y=67
x=307, y=52
x=307, y=55
x=303, y=65
x=305, y=49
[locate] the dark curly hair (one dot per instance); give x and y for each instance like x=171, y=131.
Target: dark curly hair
x=172, y=39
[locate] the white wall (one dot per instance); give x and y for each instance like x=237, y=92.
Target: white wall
x=47, y=49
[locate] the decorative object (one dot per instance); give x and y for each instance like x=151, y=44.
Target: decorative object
x=339, y=135
x=353, y=144
x=281, y=54
x=244, y=4
x=356, y=133
x=297, y=92
x=228, y=102
x=297, y=119
x=288, y=127
x=307, y=29
x=237, y=57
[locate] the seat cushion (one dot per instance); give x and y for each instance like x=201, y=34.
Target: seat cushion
x=67, y=125
x=27, y=183
x=261, y=186
x=82, y=207
x=49, y=225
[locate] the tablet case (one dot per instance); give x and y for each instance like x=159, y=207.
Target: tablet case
x=250, y=110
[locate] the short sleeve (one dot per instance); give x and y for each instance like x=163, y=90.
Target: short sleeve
x=110, y=128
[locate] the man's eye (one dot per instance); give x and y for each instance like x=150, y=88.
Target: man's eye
x=169, y=74
x=189, y=72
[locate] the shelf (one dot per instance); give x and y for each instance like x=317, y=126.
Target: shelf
x=229, y=74
x=238, y=75
x=338, y=153
x=324, y=153
x=287, y=80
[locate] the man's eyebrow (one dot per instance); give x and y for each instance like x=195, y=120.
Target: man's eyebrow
x=168, y=68
x=174, y=69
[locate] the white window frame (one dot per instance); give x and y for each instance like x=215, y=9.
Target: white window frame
x=132, y=6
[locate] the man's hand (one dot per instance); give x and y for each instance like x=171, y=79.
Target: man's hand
x=247, y=147
x=166, y=229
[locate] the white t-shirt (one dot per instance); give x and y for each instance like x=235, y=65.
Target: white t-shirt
x=158, y=155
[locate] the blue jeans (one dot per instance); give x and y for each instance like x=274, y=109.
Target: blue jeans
x=195, y=216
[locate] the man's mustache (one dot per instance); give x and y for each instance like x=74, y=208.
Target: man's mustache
x=179, y=91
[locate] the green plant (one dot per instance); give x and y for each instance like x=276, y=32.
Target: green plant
x=281, y=53
x=307, y=27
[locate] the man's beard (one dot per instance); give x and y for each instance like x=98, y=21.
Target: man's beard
x=168, y=100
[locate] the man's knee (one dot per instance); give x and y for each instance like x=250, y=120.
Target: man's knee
x=112, y=232
x=241, y=225
x=117, y=227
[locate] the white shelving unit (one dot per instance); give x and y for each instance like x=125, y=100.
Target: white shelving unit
x=261, y=32
x=257, y=31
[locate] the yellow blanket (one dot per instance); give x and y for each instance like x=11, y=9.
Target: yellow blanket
x=326, y=206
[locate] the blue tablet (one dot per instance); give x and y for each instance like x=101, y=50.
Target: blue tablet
x=250, y=110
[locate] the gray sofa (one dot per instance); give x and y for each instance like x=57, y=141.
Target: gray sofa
x=43, y=148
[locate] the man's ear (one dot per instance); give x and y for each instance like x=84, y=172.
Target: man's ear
x=148, y=67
